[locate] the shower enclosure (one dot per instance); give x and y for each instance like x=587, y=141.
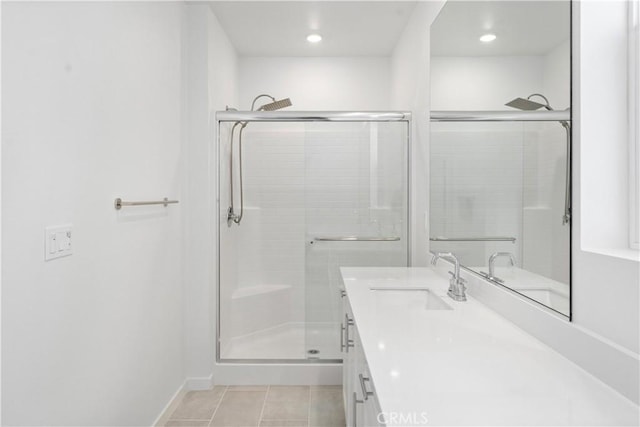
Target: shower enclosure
x=320, y=190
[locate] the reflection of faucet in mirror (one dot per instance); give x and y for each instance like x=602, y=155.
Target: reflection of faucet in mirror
x=492, y=259
x=456, y=283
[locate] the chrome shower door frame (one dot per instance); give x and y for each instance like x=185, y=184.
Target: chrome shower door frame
x=231, y=116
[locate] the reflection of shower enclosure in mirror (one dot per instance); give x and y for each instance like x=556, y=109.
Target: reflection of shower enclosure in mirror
x=321, y=190
x=499, y=187
x=500, y=175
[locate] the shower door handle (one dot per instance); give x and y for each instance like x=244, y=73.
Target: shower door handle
x=342, y=346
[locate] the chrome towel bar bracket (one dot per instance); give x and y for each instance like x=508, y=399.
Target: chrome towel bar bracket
x=119, y=203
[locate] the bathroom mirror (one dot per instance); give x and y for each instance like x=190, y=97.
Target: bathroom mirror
x=500, y=146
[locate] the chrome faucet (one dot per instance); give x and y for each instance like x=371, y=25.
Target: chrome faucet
x=456, y=283
x=492, y=259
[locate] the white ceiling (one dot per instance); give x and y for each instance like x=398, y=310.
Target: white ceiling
x=280, y=28
x=521, y=27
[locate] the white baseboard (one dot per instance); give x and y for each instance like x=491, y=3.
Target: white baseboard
x=170, y=407
x=203, y=383
x=199, y=383
x=278, y=374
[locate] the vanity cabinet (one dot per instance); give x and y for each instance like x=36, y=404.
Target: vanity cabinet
x=360, y=403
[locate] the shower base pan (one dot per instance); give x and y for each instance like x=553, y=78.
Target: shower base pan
x=314, y=342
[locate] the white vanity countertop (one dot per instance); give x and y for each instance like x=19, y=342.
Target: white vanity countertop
x=468, y=366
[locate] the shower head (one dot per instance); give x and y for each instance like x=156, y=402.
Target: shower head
x=276, y=105
x=273, y=105
x=524, y=104
x=528, y=104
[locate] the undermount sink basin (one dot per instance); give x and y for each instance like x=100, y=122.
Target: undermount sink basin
x=409, y=298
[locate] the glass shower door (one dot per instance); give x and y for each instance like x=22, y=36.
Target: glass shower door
x=314, y=196
x=356, y=215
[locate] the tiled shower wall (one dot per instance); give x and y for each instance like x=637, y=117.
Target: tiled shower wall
x=476, y=187
x=546, y=246
x=355, y=186
x=504, y=179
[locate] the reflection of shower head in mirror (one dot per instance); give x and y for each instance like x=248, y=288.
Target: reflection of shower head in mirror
x=528, y=104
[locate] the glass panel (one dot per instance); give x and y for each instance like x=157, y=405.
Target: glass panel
x=356, y=187
x=262, y=258
x=503, y=180
x=278, y=290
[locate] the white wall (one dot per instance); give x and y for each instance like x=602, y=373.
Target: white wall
x=210, y=84
x=317, y=83
x=91, y=111
x=410, y=73
x=556, y=72
x=483, y=82
x=0, y=223
x=606, y=295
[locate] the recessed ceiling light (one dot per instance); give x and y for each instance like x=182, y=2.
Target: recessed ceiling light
x=486, y=38
x=314, y=38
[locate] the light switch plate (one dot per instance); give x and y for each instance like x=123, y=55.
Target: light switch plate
x=57, y=241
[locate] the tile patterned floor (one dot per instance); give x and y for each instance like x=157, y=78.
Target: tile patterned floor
x=257, y=406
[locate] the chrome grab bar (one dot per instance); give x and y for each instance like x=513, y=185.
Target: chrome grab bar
x=119, y=203
x=356, y=239
x=473, y=239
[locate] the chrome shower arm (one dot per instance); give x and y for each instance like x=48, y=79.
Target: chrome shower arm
x=547, y=104
x=253, y=104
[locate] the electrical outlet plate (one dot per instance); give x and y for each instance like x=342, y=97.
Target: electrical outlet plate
x=57, y=241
